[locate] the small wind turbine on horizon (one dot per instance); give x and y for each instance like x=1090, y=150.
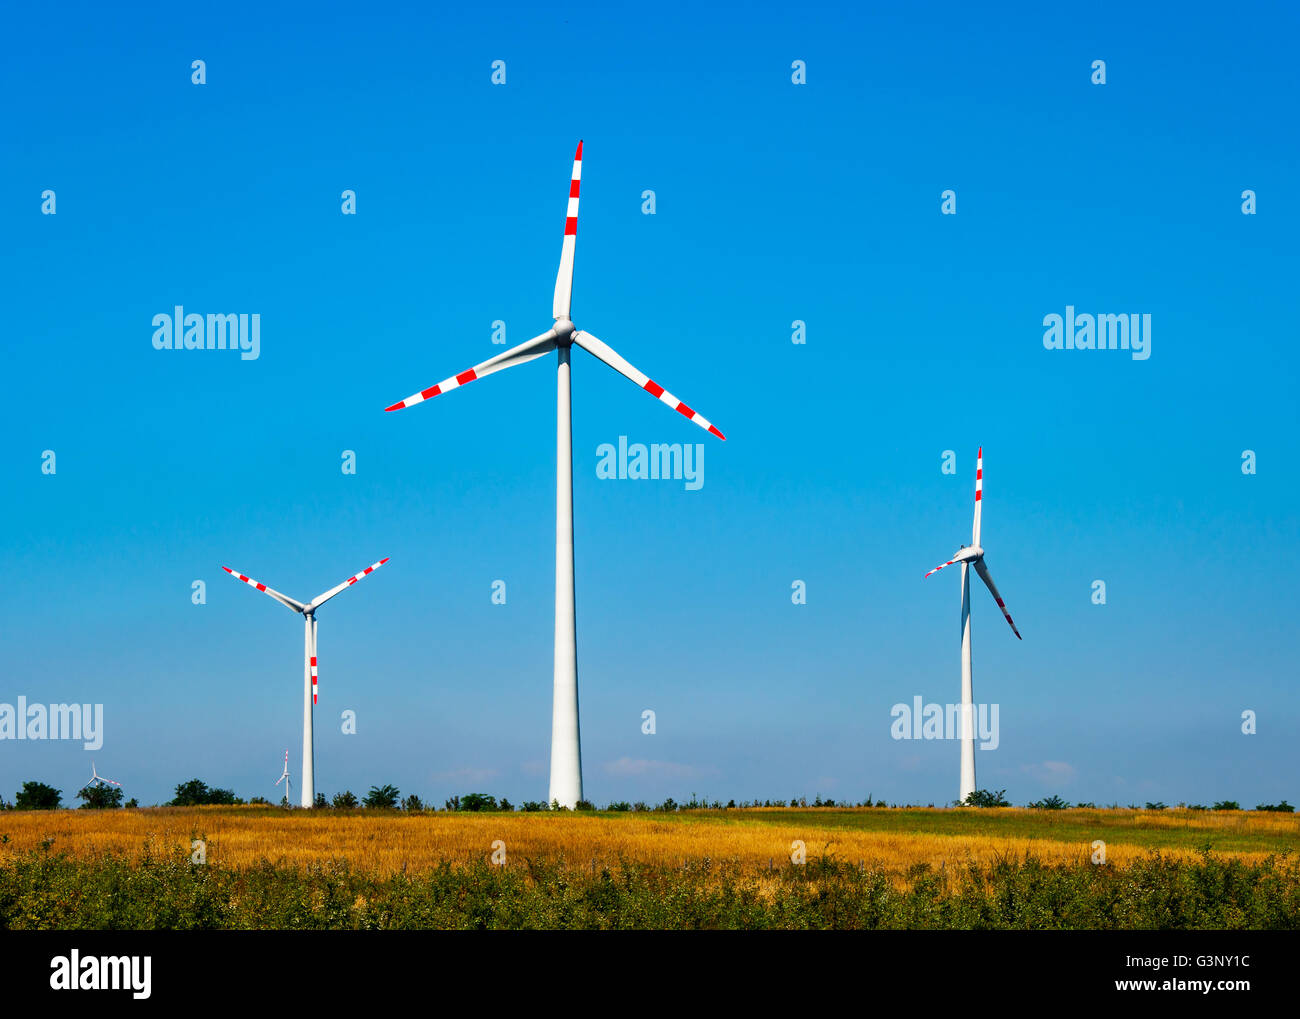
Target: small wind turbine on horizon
x=284, y=777
x=96, y=777
x=972, y=555
x=308, y=612
x=566, y=752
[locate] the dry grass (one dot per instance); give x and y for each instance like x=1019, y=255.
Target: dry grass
x=892, y=841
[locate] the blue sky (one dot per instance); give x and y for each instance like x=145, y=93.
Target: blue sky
x=775, y=202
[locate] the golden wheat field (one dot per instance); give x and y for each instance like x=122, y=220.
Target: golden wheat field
x=888, y=840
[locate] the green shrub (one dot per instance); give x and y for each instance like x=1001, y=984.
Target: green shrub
x=37, y=796
x=383, y=797
x=987, y=798
x=195, y=793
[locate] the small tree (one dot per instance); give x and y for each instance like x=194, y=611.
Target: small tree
x=320, y=801
x=1050, y=803
x=1227, y=805
x=476, y=802
x=987, y=798
x=37, y=796
x=412, y=803
x=100, y=797
x=1277, y=808
x=584, y=805
x=345, y=800
x=383, y=797
x=195, y=793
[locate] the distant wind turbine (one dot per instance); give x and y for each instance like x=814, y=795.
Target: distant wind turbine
x=95, y=777
x=566, y=752
x=308, y=612
x=972, y=555
x=284, y=777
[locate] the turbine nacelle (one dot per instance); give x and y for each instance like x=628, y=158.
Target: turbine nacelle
x=564, y=330
x=968, y=554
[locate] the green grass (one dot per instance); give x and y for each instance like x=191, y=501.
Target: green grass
x=46, y=890
x=1082, y=826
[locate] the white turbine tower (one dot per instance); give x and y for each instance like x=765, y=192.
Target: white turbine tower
x=566, y=754
x=972, y=555
x=308, y=612
x=284, y=777
x=95, y=777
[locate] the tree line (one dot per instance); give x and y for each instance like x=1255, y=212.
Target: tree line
x=197, y=793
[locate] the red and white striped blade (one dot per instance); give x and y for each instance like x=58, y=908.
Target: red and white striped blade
x=321, y=599
x=283, y=599
x=315, y=679
x=564, y=278
x=527, y=351
x=983, y=571
x=938, y=568
x=979, y=497
x=607, y=354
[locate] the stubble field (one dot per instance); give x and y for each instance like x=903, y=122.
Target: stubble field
x=828, y=867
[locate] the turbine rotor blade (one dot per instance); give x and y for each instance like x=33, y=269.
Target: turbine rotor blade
x=979, y=497
x=321, y=599
x=564, y=278
x=983, y=571
x=607, y=354
x=938, y=568
x=527, y=351
x=283, y=599
x=315, y=676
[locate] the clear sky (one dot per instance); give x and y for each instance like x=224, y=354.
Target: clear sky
x=775, y=202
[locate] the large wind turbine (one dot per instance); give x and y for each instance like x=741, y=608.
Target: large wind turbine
x=566, y=754
x=972, y=555
x=308, y=612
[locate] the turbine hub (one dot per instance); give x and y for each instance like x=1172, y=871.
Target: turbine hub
x=564, y=330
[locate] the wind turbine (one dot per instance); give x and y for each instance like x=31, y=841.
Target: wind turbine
x=308, y=612
x=96, y=777
x=972, y=555
x=566, y=754
x=284, y=777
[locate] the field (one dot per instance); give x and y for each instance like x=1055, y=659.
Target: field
x=865, y=867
